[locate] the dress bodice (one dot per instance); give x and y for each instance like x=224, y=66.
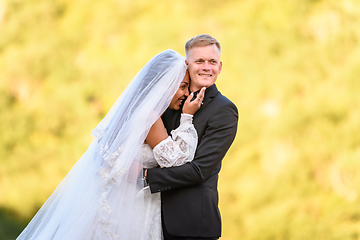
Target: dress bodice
x=147, y=157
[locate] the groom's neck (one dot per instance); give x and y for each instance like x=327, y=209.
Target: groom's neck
x=194, y=89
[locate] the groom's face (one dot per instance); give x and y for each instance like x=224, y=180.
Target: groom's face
x=204, y=66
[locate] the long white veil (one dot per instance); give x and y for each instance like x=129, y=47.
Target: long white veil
x=101, y=196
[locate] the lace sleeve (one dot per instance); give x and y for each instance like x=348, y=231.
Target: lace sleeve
x=180, y=148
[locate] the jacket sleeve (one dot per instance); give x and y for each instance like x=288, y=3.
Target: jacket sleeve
x=213, y=145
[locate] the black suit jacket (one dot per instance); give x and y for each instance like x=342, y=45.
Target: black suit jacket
x=189, y=192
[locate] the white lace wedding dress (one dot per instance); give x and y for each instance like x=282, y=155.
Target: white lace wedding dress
x=174, y=151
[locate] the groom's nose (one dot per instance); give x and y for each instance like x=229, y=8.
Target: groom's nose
x=206, y=66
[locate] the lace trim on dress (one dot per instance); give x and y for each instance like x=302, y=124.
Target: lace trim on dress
x=110, y=178
x=179, y=148
x=108, y=160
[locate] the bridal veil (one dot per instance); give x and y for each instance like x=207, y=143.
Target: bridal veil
x=101, y=197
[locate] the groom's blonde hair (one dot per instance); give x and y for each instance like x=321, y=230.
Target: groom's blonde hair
x=201, y=40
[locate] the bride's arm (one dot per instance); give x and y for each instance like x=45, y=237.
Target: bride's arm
x=156, y=134
x=177, y=149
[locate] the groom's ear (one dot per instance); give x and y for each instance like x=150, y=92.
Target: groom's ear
x=186, y=61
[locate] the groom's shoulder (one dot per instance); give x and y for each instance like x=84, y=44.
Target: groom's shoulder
x=224, y=101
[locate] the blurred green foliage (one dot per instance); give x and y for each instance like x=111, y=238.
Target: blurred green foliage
x=291, y=67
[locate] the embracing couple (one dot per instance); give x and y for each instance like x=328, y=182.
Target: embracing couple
x=151, y=172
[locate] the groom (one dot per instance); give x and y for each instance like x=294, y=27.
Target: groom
x=189, y=195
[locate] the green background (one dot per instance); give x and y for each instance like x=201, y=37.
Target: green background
x=291, y=66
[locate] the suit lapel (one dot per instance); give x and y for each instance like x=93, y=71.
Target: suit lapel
x=210, y=93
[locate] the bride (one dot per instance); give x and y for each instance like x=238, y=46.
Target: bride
x=104, y=195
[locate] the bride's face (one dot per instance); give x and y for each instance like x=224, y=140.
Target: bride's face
x=181, y=94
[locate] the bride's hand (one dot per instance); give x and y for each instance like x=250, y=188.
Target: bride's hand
x=191, y=107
